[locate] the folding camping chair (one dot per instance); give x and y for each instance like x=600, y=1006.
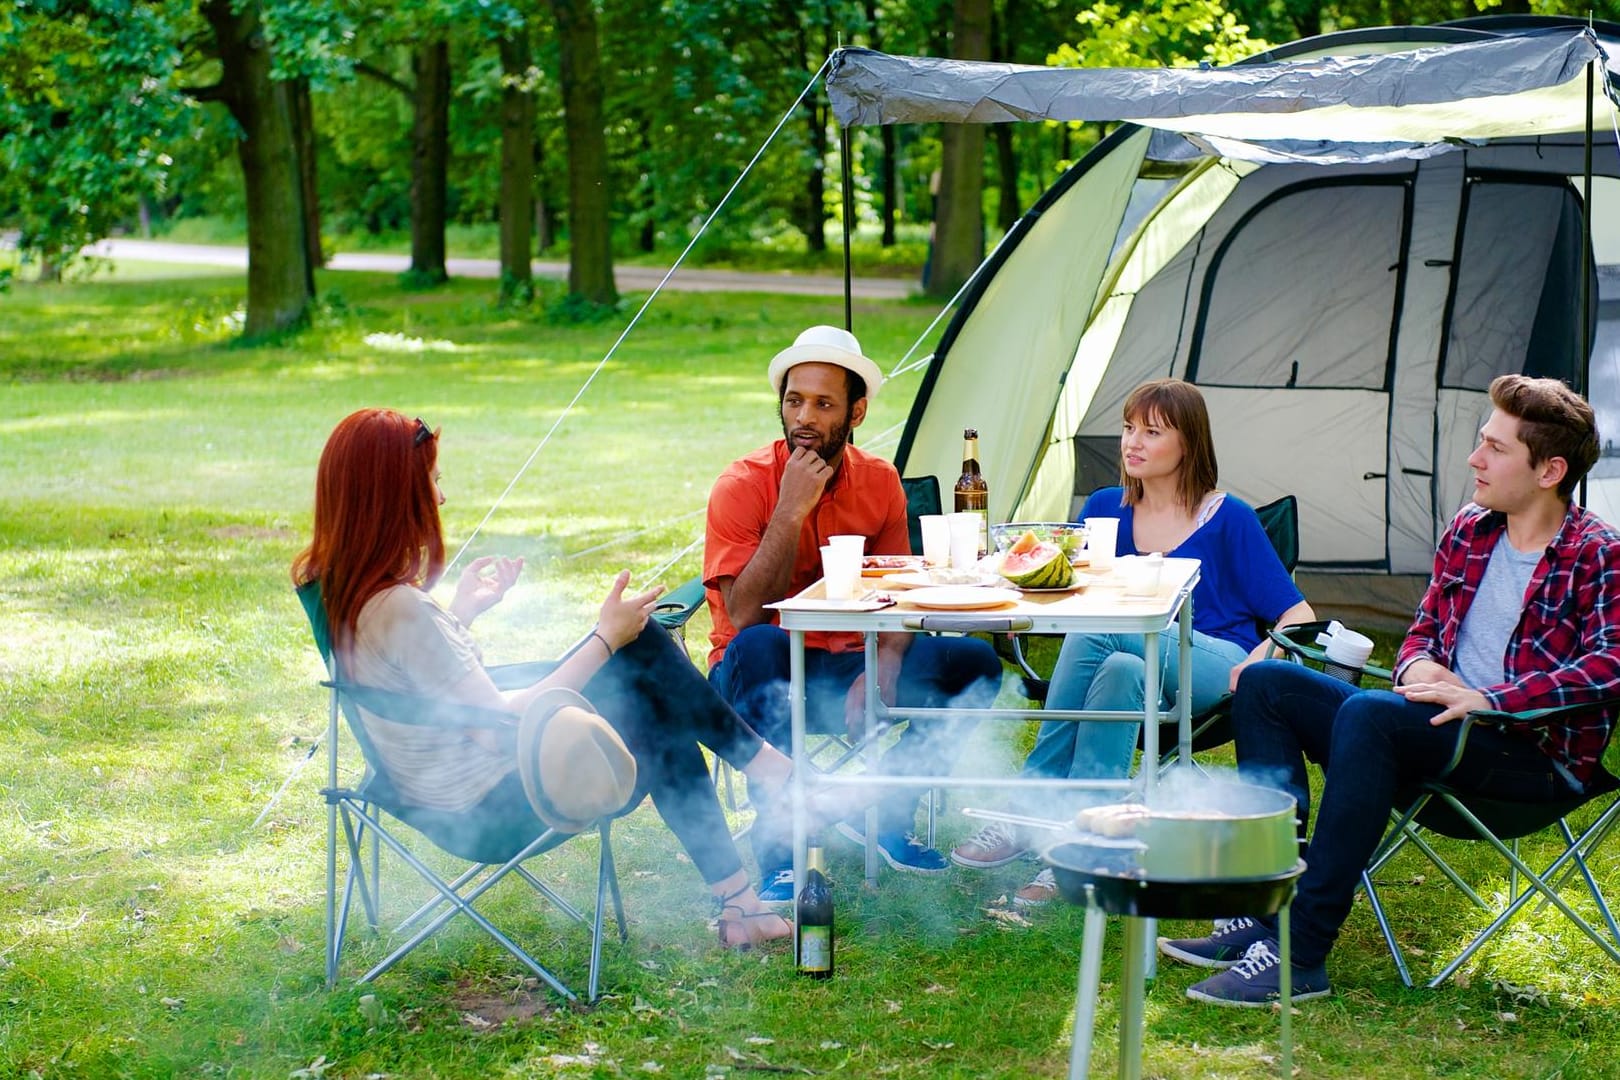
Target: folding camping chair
x=1213, y=726
x=1436, y=808
x=493, y=855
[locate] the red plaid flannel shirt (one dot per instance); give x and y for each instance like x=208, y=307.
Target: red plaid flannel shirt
x=1566, y=647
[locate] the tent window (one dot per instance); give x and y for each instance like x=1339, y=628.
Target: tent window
x=1328, y=257
x=1517, y=294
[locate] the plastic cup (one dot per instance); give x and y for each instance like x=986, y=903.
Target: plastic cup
x=1345, y=647
x=1142, y=574
x=840, y=570
x=936, y=539
x=1102, y=534
x=964, y=528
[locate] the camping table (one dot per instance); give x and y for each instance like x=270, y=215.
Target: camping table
x=1101, y=608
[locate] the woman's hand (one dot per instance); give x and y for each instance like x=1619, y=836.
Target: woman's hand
x=482, y=585
x=622, y=617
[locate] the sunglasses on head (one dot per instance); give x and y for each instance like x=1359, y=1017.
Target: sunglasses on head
x=423, y=432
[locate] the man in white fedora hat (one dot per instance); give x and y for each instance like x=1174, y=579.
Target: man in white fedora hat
x=769, y=514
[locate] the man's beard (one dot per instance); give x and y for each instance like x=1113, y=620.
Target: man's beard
x=834, y=443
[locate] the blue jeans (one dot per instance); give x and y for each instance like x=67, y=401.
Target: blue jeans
x=1108, y=671
x=937, y=672
x=1374, y=746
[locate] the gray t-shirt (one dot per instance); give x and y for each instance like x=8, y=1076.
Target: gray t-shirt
x=1487, y=628
x=406, y=643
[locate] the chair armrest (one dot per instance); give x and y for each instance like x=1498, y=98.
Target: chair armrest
x=1299, y=642
x=674, y=608
x=1498, y=717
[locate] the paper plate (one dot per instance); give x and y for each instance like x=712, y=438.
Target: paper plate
x=959, y=597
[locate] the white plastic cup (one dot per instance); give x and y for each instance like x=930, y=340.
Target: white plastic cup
x=1345, y=648
x=936, y=539
x=965, y=528
x=854, y=541
x=1102, y=534
x=1142, y=574
x=840, y=570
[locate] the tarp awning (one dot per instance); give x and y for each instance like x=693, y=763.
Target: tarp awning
x=1524, y=85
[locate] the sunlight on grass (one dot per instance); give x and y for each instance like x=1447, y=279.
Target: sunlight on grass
x=158, y=685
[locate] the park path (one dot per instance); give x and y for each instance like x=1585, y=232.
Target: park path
x=629, y=278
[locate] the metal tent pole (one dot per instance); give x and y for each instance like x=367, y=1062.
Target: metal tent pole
x=1586, y=254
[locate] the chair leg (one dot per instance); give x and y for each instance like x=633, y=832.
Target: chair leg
x=1383, y=925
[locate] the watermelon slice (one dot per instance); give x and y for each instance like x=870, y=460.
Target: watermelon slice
x=1037, y=565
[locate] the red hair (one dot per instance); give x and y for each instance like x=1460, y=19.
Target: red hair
x=376, y=515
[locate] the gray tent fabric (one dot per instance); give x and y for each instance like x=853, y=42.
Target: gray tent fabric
x=1343, y=318
x=1536, y=83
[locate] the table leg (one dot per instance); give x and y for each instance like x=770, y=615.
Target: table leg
x=1132, y=1006
x=1152, y=689
x=1085, y=1001
x=1184, y=692
x=1286, y=986
x=869, y=706
x=801, y=761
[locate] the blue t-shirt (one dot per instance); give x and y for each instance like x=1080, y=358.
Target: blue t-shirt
x=1242, y=584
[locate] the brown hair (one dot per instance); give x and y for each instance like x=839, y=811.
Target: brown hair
x=1175, y=404
x=376, y=515
x=1554, y=422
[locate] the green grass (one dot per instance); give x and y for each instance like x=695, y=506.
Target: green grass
x=157, y=684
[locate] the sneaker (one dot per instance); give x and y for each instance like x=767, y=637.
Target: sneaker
x=1254, y=982
x=1041, y=890
x=997, y=844
x=1224, y=947
x=777, y=887
x=901, y=850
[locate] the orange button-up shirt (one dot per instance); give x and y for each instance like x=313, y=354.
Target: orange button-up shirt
x=864, y=496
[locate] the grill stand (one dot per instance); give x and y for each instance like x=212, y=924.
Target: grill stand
x=1134, y=966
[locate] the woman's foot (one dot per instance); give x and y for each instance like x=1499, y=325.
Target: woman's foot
x=744, y=922
x=1042, y=890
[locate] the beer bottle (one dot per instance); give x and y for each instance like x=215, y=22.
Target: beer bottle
x=814, y=914
x=972, y=493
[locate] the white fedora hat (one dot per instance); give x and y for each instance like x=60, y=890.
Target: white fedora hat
x=826, y=345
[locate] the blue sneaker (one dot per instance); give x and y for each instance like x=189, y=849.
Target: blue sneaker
x=901, y=850
x=1223, y=948
x=1254, y=982
x=776, y=885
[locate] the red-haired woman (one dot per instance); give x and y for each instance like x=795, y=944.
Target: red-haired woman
x=378, y=546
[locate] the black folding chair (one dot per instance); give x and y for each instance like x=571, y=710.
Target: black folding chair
x=371, y=811
x=1434, y=808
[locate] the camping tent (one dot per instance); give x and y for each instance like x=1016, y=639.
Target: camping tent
x=1341, y=241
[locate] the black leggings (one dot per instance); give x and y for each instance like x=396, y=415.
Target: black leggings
x=662, y=708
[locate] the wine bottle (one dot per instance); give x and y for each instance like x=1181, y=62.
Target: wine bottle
x=815, y=918
x=972, y=493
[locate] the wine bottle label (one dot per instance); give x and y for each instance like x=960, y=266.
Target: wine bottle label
x=815, y=948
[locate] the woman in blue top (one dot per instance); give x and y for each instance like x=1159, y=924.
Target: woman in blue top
x=1167, y=502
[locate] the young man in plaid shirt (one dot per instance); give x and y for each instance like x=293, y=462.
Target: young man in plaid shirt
x=1522, y=612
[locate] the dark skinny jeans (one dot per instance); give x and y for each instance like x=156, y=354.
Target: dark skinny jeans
x=1371, y=745
x=663, y=708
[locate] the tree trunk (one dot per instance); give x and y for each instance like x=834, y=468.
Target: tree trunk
x=959, y=216
x=886, y=173
x=1007, y=161
x=814, y=214
x=308, y=176
x=517, y=165
x=278, y=266
x=590, y=250
x=430, y=161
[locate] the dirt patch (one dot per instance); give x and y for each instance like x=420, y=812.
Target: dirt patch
x=250, y=532
x=484, y=1009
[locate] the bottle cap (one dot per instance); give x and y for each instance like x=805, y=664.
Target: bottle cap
x=970, y=433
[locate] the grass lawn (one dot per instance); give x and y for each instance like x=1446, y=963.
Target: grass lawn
x=157, y=683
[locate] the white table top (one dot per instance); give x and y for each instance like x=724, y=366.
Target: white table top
x=1100, y=607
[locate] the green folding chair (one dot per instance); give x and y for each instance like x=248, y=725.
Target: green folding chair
x=373, y=815
x=1434, y=809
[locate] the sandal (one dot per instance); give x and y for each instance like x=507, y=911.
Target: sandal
x=732, y=916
